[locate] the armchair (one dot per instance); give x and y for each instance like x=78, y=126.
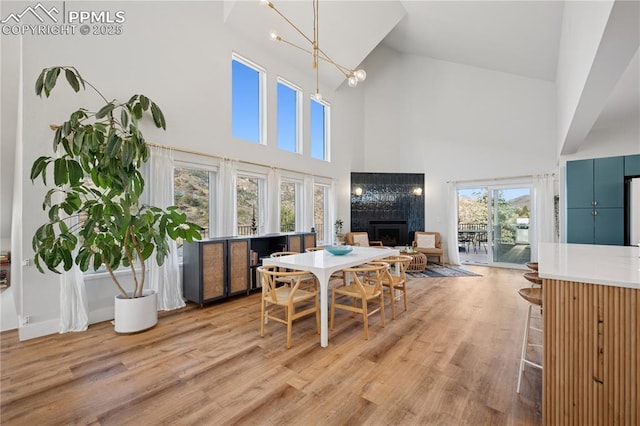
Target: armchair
x=429, y=243
x=360, y=239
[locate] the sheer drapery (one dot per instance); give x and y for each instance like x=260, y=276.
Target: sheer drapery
x=227, y=218
x=544, y=216
x=452, y=230
x=273, y=201
x=309, y=208
x=74, y=307
x=165, y=279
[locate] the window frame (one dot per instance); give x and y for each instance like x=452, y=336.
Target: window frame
x=262, y=97
x=326, y=127
x=261, y=203
x=298, y=115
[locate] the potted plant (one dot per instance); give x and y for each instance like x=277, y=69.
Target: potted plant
x=95, y=217
x=338, y=224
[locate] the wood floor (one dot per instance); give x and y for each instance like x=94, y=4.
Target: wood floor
x=452, y=359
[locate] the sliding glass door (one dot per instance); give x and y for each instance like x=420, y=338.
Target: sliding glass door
x=493, y=224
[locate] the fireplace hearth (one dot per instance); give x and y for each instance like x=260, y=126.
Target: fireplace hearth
x=390, y=232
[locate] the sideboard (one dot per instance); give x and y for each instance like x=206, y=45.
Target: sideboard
x=218, y=268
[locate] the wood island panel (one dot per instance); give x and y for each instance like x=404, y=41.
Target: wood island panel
x=591, y=373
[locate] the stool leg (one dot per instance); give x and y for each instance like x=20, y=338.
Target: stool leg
x=524, y=347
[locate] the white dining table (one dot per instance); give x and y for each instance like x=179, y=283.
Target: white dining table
x=322, y=264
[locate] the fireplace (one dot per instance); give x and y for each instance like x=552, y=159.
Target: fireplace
x=390, y=232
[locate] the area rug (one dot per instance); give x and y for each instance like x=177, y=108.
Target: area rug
x=434, y=270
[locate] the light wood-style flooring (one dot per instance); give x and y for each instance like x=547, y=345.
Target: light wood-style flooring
x=452, y=359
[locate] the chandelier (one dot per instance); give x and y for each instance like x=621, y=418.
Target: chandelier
x=352, y=76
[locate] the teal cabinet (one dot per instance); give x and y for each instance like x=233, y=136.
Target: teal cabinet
x=632, y=165
x=595, y=201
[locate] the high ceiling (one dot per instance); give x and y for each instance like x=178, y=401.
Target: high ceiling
x=516, y=37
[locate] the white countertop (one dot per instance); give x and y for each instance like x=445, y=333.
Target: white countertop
x=594, y=264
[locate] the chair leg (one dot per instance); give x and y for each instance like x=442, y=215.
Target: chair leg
x=392, y=299
x=382, y=309
x=262, y=317
x=404, y=291
x=333, y=309
x=525, y=344
x=365, y=316
x=289, y=325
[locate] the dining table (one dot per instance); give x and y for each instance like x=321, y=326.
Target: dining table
x=322, y=264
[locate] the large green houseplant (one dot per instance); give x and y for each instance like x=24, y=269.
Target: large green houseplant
x=95, y=216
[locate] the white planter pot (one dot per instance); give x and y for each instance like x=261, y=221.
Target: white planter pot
x=137, y=314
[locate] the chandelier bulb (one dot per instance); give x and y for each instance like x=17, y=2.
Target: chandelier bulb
x=265, y=2
x=353, y=81
x=361, y=75
x=317, y=96
x=274, y=36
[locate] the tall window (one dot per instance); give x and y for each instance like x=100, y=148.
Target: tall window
x=247, y=100
x=290, y=205
x=289, y=116
x=319, y=127
x=320, y=216
x=248, y=202
x=191, y=196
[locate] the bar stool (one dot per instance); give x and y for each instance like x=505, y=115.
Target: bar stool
x=533, y=295
x=532, y=265
x=533, y=277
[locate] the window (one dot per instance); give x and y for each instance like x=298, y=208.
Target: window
x=289, y=117
x=320, y=217
x=191, y=196
x=290, y=205
x=247, y=100
x=319, y=126
x=248, y=202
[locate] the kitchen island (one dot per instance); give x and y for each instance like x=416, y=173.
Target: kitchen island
x=591, y=366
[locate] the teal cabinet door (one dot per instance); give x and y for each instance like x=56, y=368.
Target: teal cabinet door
x=609, y=226
x=579, y=184
x=632, y=165
x=608, y=182
x=580, y=226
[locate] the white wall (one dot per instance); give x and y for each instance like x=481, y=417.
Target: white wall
x=454, y=122
x=178, y=54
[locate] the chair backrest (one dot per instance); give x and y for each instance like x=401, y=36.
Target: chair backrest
x=418, y=237
x=271, y=277
x=369, y=274
x=402, y=263
x=310, y=249
x=357, y=239
x=283, y=253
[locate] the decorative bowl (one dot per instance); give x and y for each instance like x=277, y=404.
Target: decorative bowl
x=339, y=250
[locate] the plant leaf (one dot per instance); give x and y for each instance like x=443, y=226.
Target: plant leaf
x=40, y=82
x=60, y=173
x=71, y=78
x=105, y=110
x=50, y=80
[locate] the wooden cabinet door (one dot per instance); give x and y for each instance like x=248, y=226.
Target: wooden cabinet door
x=580, y=226
x=580, y=184
x=213, y=270
x=609, y=226
x=238, y=266
x=294, y=243
x=608, y=182
x=632, y=165
x=309, y=240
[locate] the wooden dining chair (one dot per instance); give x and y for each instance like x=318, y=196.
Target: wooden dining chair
x=396, y=282
x=287, y=297
x=308, y=280
x=364, y=286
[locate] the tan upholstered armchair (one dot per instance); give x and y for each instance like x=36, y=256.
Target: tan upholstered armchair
x=429, y=243
x=360, y=239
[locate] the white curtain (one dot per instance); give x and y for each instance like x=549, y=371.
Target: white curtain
x=273, y=201
x=452, y=231
x=165, y=279
x=74, y=306
x=309, y=208
x=227, y=221
x=544, y=217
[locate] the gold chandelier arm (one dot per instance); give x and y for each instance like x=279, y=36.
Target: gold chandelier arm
x=344, y=70
x=272, y=6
